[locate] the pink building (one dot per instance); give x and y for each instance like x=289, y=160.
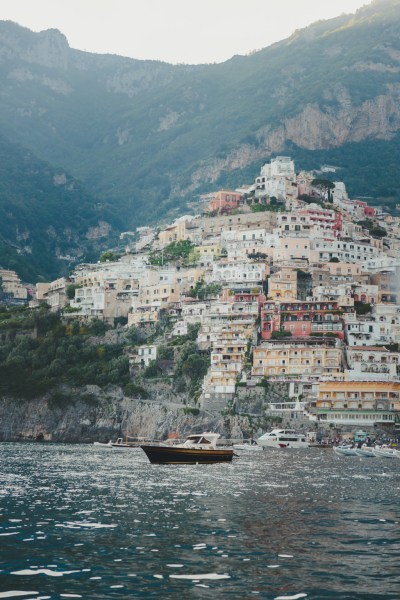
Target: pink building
x=326, y=219
x=301, y=319
x=225, y=201
x=364, y=210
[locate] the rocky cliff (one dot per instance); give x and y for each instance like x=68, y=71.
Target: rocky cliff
x=315, y=127
x=93, y=414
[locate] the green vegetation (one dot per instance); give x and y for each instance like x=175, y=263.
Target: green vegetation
x=362, y=308
x=267, y=207
x=58, y=354
x=190, y=410
x=44, y=213
x=191, y=366
x=369, y=168
x=201, y=290
x=374, y=230
x=71, y=290
x=109, y=256
x=151, y=371
x=324, y=188
x=173, y=252
x=276, y=335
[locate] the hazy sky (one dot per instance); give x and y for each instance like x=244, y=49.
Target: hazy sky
x=176, y=31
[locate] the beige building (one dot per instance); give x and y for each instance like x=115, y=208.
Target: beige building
x=176, y=232
x=292, y=248
x=54, y=293
x=314, y=359
x=348, y=270
x=283, y=285
x=143, y=316
x=260, y=220
x=159, y=295
x=227, y=360
x=12, y=285
x=214, y=250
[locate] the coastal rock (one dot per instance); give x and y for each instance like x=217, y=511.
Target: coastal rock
x=92, y=414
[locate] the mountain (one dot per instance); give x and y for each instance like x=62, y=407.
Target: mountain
x=47, y=219
x=146, y=136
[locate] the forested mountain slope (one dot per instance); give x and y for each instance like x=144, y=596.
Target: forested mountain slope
x=47, y=219
x=146, y=136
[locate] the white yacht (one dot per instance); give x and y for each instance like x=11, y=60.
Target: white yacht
x=283, y=438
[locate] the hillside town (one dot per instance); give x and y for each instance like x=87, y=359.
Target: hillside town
x=286, y=280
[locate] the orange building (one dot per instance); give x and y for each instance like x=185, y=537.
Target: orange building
x=225, y=201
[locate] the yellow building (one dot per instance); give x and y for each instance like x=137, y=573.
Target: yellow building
x=176, y=232
x=359, y=402
x=314, y=359
x=209, y=249
x=159, y=295
x=283, y=285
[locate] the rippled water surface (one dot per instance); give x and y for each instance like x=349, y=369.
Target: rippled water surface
x=85, y=522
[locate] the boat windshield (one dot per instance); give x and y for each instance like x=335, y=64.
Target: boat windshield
x=198, y=439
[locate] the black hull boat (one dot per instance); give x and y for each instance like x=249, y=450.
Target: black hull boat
x=197, y=449
x=164, y=455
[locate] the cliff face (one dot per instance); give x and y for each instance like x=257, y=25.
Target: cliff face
x=107, y=416
x=315, y=128
x=102, y=415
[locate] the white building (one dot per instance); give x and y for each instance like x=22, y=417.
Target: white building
x=144, y=355
x=372, y=359
x=345, y=251
x=231, y=271
x=367, y=332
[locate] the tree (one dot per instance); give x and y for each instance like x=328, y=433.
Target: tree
x=71, y=290
x=378, y=232
x=362, y=308
x=109, y=255
x=180, y=250
x=324, y=188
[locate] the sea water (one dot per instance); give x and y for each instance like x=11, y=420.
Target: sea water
x=80, y=521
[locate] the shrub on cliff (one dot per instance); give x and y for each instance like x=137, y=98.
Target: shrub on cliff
x=60, y=354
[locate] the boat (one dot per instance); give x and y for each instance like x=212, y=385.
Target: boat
x=385, y=452
x=366, y=451
x=105, y=445
x=346, y=450
x=198, y=448
x=121, y=443
x=283, y=438
x=247, y=447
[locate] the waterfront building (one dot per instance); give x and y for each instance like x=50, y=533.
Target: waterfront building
x=353, y=402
